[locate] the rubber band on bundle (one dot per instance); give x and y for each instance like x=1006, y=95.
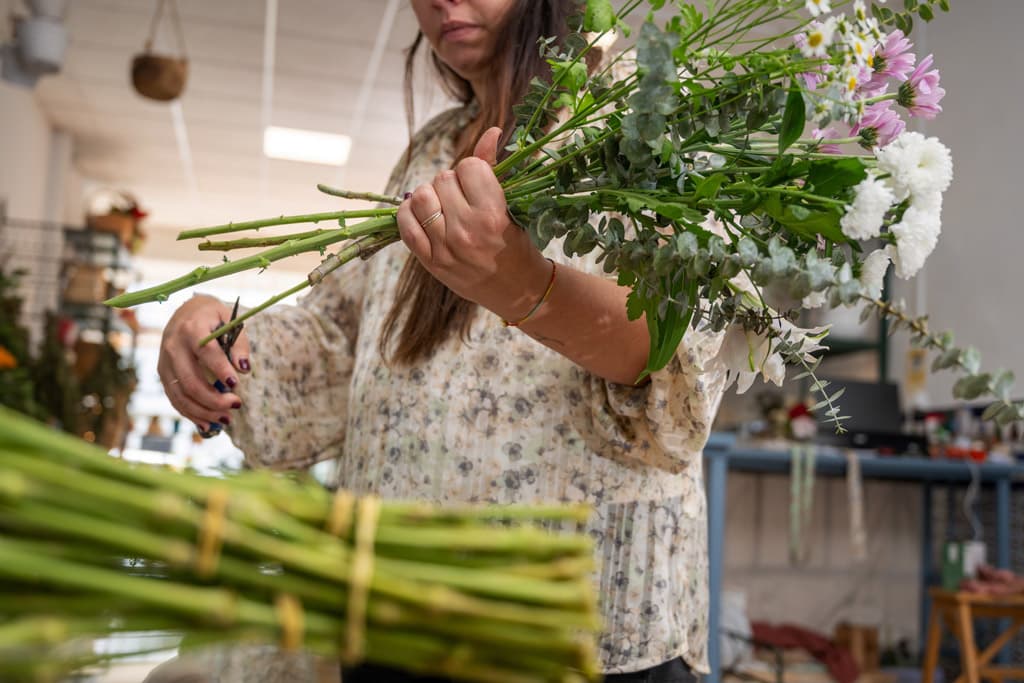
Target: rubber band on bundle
x=340, y=516
x=360, y=576
x=292, y=620
x=211, y=533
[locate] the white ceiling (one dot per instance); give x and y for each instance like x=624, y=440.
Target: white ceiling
x=320, y=72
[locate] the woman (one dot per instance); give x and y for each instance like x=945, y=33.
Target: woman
x=467, y=365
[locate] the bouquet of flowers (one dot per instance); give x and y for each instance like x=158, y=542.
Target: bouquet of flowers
x=732, y=177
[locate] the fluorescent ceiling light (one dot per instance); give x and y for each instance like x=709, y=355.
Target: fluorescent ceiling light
x=310, y=146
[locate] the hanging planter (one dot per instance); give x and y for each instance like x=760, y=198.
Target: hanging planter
x=161, y=77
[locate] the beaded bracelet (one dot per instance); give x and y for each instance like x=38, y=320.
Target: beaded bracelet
x=547, y=293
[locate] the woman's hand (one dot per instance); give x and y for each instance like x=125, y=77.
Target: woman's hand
x=186, y=368
x=459, y=228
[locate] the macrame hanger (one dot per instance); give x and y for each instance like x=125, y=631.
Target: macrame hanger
x=155, y=24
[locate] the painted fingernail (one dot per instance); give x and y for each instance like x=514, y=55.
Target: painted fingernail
x=225, y=420
x=231, y=382
x=200, y=427
x=406, y=195
x=243, y=363
x=236, y=405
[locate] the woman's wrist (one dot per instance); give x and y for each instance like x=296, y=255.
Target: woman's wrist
x=518, y=297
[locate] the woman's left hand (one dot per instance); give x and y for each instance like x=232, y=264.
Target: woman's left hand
x=459, y=228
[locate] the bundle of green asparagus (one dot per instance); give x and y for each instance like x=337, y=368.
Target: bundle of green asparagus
x=91, y=545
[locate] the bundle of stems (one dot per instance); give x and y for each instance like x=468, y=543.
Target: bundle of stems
x=91, y=545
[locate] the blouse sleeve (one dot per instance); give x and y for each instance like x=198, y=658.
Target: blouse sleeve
x=665, y=422
x=295, y=399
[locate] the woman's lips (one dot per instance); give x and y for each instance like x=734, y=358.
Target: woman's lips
x=457, y=31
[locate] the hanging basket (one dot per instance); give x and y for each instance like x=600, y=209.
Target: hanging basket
x=161, y=77
x=158, y=77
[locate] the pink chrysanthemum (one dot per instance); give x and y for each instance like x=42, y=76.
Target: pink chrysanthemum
x=826, y=134
x=921, y=93
x=893, y=59
x=879, y=125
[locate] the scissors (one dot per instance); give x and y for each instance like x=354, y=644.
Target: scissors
x=225, y=341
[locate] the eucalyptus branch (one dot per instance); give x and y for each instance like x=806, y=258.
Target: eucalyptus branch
x=967, y=361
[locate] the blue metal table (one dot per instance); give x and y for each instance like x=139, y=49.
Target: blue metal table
x=721, y=455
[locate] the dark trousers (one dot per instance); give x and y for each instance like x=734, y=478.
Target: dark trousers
x=673, y=671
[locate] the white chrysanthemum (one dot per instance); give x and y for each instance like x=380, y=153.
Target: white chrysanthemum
x=872, y=272
x=917, y=165
x=818, y=7
x=872, y=199
x=916, y=236
x=814, y=300
x=819, y=37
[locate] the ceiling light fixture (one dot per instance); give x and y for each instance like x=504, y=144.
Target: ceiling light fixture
x=310, y=146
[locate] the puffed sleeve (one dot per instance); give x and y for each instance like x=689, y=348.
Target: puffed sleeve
x=295, y=399
x=665, y=421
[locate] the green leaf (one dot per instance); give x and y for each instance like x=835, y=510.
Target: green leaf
x=708, y=187
x=599, y=16
x=926, y=13
x=993, y=410
x=971, y=360
x=946, y=359
x=809, y=225
x=830, y=176
x=972, y=386
x=1003, y=384
x=793, y=119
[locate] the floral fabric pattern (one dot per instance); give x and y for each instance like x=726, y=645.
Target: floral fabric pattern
x=497, y=419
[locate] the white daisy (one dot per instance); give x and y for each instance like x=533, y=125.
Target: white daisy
x=818, y=38
x=819, y=7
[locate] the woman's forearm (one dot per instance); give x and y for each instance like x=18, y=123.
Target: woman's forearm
x=584, y=319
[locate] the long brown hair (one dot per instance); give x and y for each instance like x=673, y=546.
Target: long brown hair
x=431, y=311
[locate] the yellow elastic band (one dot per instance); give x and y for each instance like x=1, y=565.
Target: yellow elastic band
x=547, y=293
x=211, y=533
x=292, y=620
x=360, y=575
x=340, y=517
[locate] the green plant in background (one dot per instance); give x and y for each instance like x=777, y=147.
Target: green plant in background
x=17, y=381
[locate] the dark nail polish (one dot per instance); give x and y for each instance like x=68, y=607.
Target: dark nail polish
x=225, y=420
x=236, y=405
x=406, y=195
x=243, y=363
x=231, y=382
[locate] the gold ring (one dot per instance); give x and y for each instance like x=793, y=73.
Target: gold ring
x=174, y=381
x=431, y=218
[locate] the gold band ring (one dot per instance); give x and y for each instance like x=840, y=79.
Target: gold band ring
x=431, y=218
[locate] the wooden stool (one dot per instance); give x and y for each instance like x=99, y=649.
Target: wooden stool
x=958, y=611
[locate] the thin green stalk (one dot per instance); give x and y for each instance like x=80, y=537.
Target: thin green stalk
x=284, y=220
x=251, y=242
x=354, y=250
x=366, y=196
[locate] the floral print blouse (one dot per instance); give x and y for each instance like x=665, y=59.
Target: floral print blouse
x=497, y=419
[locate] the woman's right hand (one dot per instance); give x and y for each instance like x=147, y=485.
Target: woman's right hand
x=185, y=368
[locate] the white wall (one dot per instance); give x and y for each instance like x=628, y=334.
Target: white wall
x=24, y=153
x=971, y=282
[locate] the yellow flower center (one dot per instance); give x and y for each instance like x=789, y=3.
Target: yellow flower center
x=815, y=39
